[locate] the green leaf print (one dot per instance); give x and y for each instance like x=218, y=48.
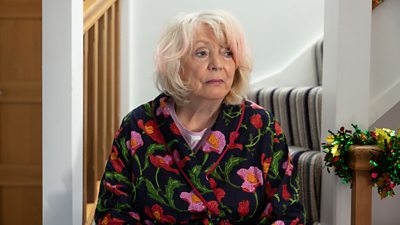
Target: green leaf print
x=126, y=119
x=232, y=162
x=269, y=118
x=276, y=196
x=100, y=206
x=154, y=147
x=264, y=221
x=122, y=206
x=172, y=142
x=148, y=110
x=117, y=177
x=123, y=148
x=295, y=195
x=228, y=167
x=229, y=115
x=214, y=173
x=194, y=177
x=169, y=190
x=274, y=168
x=153, y=193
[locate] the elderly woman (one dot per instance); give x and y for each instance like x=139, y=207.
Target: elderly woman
x=199, y=153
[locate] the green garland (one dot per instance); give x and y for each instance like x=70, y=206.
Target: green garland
x=375, y=3
x=385, y=174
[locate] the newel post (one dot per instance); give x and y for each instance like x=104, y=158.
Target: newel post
x=360, y=156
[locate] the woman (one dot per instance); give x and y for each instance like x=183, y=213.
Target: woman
x=199, y=153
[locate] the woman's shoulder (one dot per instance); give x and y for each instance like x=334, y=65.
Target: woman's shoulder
x=141, y=112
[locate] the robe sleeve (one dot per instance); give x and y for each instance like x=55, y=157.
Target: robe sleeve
x=282, y=184
x=117, y=188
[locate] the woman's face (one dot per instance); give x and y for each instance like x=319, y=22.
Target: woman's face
x=209, y=68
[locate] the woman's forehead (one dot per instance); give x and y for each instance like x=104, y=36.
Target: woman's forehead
x=205, y=34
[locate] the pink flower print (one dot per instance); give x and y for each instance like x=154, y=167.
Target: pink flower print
x=284, y=165
x=255, y=106
x=163, y=162
x=163, y=107
x=267, y=211
x=115, y=188
x=148, y=222
x=252, y=178
x=289, y=168
x=134, y=143
x=215, y=142
x=134, y=215
x=195, y=203
x=279, y=222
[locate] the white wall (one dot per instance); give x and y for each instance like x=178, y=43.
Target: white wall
x=62, y=112
x=300, y=72
x=277, y=31
x=385, y=55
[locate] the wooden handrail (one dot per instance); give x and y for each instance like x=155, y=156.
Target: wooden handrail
x=101, y=97
x=361, y=192
x=93, y=10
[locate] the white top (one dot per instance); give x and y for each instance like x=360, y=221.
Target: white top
x=194, y=139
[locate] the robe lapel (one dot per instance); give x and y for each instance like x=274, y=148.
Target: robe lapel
x=186, y=161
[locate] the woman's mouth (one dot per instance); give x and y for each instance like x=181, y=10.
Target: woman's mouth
x=215, y=81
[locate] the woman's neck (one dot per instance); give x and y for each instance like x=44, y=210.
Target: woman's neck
x=196, y=116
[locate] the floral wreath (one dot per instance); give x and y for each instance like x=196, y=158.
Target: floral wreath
x=385, y=172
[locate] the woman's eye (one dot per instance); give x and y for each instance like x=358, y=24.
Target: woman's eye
x=228, y=54
x=201, y=53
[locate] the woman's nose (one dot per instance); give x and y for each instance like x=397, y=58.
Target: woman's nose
x=215, y=63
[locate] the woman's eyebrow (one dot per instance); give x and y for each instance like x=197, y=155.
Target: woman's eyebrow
x=205, y=42
x=201, y=42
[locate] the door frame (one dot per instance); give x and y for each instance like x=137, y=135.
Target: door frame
x=62, y=97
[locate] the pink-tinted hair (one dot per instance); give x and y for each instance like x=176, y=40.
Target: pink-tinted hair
x=177, y=40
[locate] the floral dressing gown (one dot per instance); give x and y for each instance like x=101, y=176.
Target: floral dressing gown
x=241, y=175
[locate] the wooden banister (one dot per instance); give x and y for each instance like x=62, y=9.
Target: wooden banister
x=361, y=198
x=101, y=93
x=93, y=10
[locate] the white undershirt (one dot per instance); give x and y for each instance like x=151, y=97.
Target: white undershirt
x=194, y=139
